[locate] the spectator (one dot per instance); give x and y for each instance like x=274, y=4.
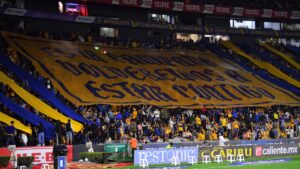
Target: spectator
x=59, y=131
x=133, y=144
x=41, y=135
x=10, y=134
x=2, y=135
x=24, y=139
x=272, y=134
x=69, y=133
x=170, y=145
x=222, y=141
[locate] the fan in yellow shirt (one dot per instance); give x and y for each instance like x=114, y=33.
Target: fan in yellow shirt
x=223, y=121
x=168, y=130
x=235, y=124
x=198, y=120
x=128, y=121
x=214, y=135
x=201, y=136
x=275, y=115
x=292, y=124
x=229, y=114
x=180, y=127
x=282, y=134
x=134, y=114
x=265, y=134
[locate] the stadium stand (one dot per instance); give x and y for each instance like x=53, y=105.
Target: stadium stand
x=29, y=97
x=153, y=124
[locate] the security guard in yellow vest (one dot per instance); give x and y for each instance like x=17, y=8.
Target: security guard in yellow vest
x=170, y=145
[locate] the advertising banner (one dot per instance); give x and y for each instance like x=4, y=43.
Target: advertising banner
x=115, y=148
x=204, y=8
x=146, y=3
x=164, y=156
x=131, y=76
x=193, y=8
x=4, y=152
x=280, y=14
x=274, y=150
x=222, y=10
x=295, y=15
x=133, y=3
x=252, y=12
x=261, y=142
x=224, y=151
x=166, y=5
x=154, y=146
x=85, y=19
x=78, y=148
x=267, y=13
x=238, y=11
x=15, y=11
x=178, y=6
x=208, y=9
x=41, y=155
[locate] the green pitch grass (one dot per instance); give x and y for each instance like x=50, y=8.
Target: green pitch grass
x=293, y=164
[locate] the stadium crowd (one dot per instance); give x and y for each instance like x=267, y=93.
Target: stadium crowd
x=146, y=123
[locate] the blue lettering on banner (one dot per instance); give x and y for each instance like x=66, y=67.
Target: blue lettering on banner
x=164, y=156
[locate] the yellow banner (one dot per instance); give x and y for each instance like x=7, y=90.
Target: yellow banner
x=284, y=56
x=261, y=64
x=37, y=103
x=119, y=76
x=18, y=125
